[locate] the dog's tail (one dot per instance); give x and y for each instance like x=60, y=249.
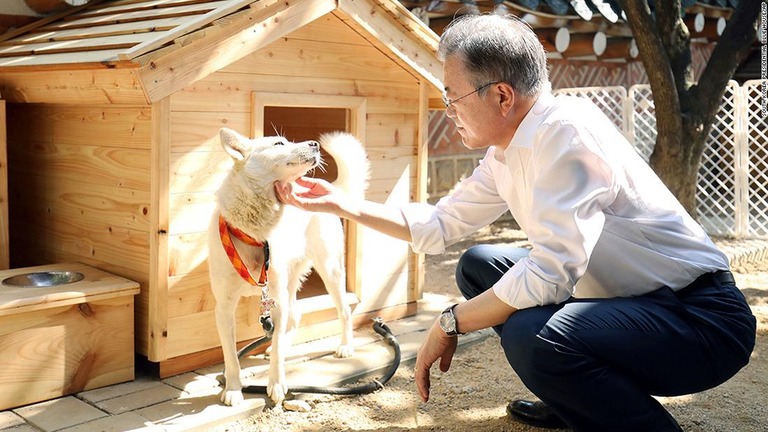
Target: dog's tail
x=351, y=161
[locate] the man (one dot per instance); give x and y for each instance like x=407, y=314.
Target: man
x=622, y=295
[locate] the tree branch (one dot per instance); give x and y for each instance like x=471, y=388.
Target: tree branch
x=731, y=50
x=677, y=42
x=656, y=63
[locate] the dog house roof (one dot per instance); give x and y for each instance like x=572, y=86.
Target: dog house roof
x=161, y=46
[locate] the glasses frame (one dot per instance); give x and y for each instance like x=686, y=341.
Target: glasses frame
x=448, y=102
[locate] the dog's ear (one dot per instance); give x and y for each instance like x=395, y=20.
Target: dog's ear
x=236, y=145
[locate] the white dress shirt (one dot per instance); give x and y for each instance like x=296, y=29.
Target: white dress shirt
x=600, y=221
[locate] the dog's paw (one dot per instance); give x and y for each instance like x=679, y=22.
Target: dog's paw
x=344, y=351
x=232, y=397
x=277, y=392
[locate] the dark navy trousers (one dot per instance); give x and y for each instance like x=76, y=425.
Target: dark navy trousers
x=597, y=362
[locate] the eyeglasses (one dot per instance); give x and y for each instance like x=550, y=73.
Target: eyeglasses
x=449, y=102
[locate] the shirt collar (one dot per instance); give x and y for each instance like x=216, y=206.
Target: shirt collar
x=527, y=129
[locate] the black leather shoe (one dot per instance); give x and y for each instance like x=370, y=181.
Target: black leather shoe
x=535, y=413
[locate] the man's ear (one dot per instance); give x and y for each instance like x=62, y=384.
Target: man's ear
x=506, y=98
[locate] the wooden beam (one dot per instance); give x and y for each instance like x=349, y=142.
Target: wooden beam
x=619, y=48
x=411, y=23
x=4, y=241
x=219, y=47
x=188, y=12
x=74, y=46
x=580, y=45
x=181, y=30
x=700, y=26
x=113, y=8
x=86, y=86
x=157, y=339
x=554, y=40
x=44, y=21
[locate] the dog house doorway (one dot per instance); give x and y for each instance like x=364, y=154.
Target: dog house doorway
x=306, y=117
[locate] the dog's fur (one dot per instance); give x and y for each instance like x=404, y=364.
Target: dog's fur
x=298, y=240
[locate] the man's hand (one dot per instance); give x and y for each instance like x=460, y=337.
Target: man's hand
x=312, y=194
x=438, y=345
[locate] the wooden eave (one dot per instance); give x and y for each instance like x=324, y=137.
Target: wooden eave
x=158, y=47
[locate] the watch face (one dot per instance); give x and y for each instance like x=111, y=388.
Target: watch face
x=447, y=322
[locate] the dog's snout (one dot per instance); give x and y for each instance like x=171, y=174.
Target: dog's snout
x=314, y=144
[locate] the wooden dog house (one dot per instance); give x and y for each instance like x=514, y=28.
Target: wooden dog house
x=113, y=113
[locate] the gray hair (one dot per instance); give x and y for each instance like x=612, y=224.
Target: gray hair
x=497, y=48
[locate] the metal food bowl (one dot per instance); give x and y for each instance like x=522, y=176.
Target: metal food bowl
x=43, y=279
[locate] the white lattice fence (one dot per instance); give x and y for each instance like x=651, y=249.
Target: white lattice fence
x=609, y=99
x=755, y=139
x=641, y=119
x=717, y=204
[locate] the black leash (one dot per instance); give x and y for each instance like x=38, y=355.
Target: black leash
x=378, y=326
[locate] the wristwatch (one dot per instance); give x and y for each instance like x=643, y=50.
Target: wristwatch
x=448, y=322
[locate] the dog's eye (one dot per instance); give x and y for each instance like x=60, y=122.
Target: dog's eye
x=279, y=143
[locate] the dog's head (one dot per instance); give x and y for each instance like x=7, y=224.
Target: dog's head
x=270, y=159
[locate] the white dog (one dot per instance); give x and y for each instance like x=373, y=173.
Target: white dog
x=298, y=240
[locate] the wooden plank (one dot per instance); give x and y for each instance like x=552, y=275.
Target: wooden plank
x=329, y=28
x=97, y=56
x=419, y=188
x=191, y=212
x=190, y=293
x=199, y=131
x=187, y=252
x=227, y=8
x=392, y=131
x=81, y=239
x=157, y=26
x=198, y=171
x=87, y=87
x=126, y=126
x=43, y=21
x=98, y=203
x=117, y=167
x=158, y=236
x=4, y=221
x=303, y=58
x=116, y=6
x=392, y=191
x=190, y=12
x=65, y=350
x=221, y=47
x=60, y=47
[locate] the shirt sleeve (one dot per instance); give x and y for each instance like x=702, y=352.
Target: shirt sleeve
x=473, y=204
x=572, y=186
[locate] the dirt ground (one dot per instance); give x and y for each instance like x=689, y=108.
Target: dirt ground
x=472, y=396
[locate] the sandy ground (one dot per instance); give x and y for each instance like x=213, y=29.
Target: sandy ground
x=472, y=396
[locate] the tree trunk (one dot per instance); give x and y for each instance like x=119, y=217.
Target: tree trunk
x=678, y=165
x=685, y=111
